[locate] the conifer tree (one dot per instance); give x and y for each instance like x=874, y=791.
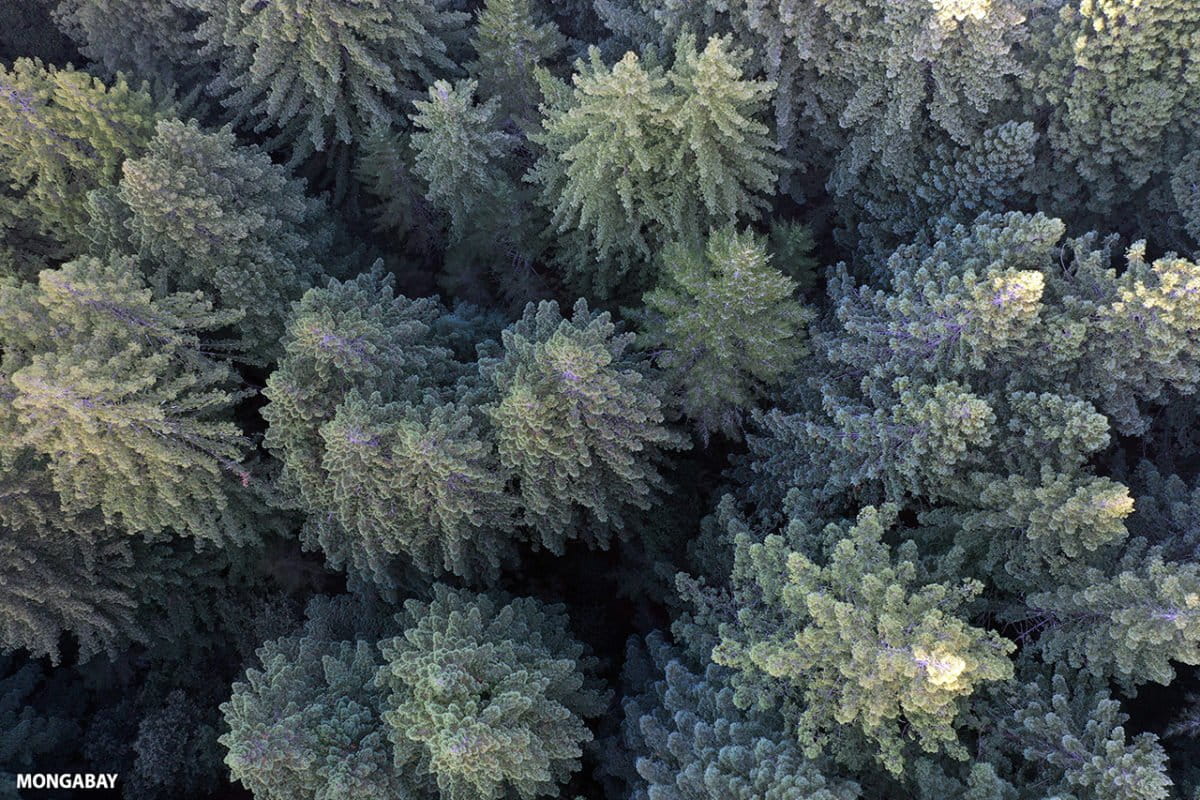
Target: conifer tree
x=511, y=40
x=419, y=481
x=322, y=74
x=458, y=146
x=728, y=324
x=1119, y=82
x=384, y=168
x=692, y=742
x=64, y=573
x=307, y=725
x=144, y=39
x=372, y=417
x=356, y=334
x=1185, y=188
x=62, y=133
x=865, y=642
x=637, y=156
x=1067, y=736
x=488, y=695
x=203, y=213
x=577, y=422
x=1129, y=625
x=114, y=387
x=471, y=168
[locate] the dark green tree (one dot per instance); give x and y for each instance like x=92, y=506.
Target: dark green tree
x=203, y=213
x=307, y=725
x=577, y=421
x=322, y=74
x=637, y=156
x=727, y=326
x=62, y=133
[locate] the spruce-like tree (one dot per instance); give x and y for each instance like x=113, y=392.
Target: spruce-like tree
x=115, y=388
x=862, y=639
x=488, y=695
x=63, y=133
x=322, y=74
x=512, y=39
x=577, y=421
x=691, y=741
x=727, y=327
x=637, y=156
x=203, y=213
x=307, y=725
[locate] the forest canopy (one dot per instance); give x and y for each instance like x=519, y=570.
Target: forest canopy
x=601, y=399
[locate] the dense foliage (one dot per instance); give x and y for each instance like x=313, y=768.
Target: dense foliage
x=601, y=399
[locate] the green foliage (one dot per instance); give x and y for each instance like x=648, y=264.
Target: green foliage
x=698, y=745
x=862, y=638
x=203, y=213
x=60, y=580
x=924, y=383
x=577, y=422
x=791, y=246
x=1130, y=625
x=729, y=327
x=176, y=750
x=113, y=386
x=146, y=39
x=512, y=40
x=419, y=481
x=457, y=145
x=1185, y=186
x=869, y=81
x=488, y=695
x=322, y=74
x=1066, y=735
x=63, y=133
x=355, y=416
x=383, y=169
x=307, y=725
x=637, y=156
x=951, y=526
x=1120, y=83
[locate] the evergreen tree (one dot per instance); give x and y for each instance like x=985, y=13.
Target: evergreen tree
x=863, y=640
x=577, y=422
x=488, y=695
x=457, y=144
x=1129, y=625
x=1118, y=81
x=385, y=171
x=203, y=213
x=115, y=389
x=372, y=417
x=146, y=39
x=1185, y=188
x=729, y=326
x=692, y=742
x=307, y=725
x=511, y=40
x=637, y=156
x=62, y=133
x=419, y=481
x=60, y=580
x=28, y=734
x=322, y=74
x=355, y=334
x=1066, y=736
